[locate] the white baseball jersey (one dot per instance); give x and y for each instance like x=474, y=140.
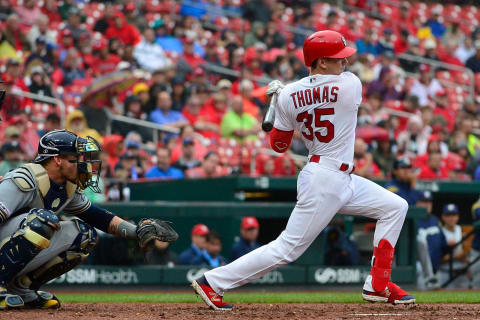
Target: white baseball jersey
x=323, y=108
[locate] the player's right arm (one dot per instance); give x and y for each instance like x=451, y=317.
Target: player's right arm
x=282, y=132
x=17, y=191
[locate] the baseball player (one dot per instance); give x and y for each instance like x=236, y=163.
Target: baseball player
x=35, y=246
x=323, y=108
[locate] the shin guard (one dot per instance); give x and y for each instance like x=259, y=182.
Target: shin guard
x=382, y=265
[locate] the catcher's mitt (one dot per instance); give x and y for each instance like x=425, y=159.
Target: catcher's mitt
x=154, y=229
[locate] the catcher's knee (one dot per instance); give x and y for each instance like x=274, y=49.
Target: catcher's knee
x=87, y=238
x=39, y=227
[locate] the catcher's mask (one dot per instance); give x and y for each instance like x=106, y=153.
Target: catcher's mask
x=88, y=170
x=63, y=142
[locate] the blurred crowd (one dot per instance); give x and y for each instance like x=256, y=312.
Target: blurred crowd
x=205, y=66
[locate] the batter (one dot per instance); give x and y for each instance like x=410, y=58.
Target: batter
x=323, y=108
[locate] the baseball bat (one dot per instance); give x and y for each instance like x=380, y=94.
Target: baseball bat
x=269, y=118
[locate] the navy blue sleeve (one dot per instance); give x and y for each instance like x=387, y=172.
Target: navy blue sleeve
x=97, y=217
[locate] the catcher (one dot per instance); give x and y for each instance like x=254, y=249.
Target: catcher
x=35, y=246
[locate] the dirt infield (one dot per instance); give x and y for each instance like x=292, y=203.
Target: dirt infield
x=187, y=311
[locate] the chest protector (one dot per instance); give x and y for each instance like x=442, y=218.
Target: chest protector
x=49, y=195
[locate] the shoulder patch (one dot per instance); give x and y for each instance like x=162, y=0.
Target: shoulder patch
x=23, y=179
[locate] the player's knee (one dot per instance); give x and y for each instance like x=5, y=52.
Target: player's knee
x=402, y=206
x=86, y=239
x=39, y=227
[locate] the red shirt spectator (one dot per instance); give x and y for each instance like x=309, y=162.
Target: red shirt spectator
x=284, y=166
x=434, y=170
x=441, y=108
x=105, y=62
x=51, y=11
x=193, y=59
x=209, y=168
x=210, y=116
x=127, y=33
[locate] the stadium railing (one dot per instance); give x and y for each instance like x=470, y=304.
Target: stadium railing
x=44, y=99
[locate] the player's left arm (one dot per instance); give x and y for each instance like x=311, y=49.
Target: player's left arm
x=282, y=133
x=147, y=230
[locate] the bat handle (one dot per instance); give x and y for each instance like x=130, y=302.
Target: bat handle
x=269, y=118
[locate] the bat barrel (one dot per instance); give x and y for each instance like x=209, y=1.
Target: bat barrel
x=269, y=118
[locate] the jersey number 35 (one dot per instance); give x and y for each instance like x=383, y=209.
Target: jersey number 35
x=307, y=120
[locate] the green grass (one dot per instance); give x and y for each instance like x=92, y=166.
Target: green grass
x=261, y=297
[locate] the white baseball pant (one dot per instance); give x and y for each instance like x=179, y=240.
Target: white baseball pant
x=322, y=191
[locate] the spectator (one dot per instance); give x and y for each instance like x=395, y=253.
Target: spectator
x=237, y=124
x=473, y=63
x=442, y=108
x=160, y=254
x=285, y=166
x=52, y=122
x=74, y=23
x=40, y=58
x=211, y=255
x=430, y=49
x=438, y=29
x=385, y=43
x=102, y=24
x=250, y=103
x=40, y=83
x=14, y=35
x=402, y=43
x=187, y=160
x=12, y=155
x=208, y=169
x=69, y=70
x=363, y=160
x=384, y=157
x=211, y=53
x=200, y=150
x=163, y=113
x=50, y=10
x=412, y=49
x=141, y=90
x=256, y=11
x=249, y=229
x=434, y=170
x=28, y=135
x=192, y=58
x=179, y=93
x=133, y=109
x=465, y=50
x=210, y=116
x=133, y=17
x=113, y=146
x=104, y=62
x=163, y=168
x=256, y=34
x=199, y=239
x=120, y=29
x=42, y=29
x=339, y=249
x=403, y=181
x=130, y=164
x=414, y=139
x=453, y=235
x=367, y=44
x=77, y=124
x=431, y=244
x=149, y=54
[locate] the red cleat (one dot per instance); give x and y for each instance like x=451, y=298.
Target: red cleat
x=211, y=298
x=392, y=294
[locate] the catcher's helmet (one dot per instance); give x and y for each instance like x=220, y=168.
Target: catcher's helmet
x=325, y=44
x=62, y=142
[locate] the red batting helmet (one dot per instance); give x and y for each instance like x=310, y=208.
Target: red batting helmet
x=325, y=44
